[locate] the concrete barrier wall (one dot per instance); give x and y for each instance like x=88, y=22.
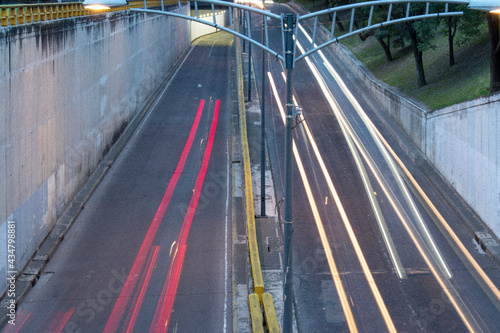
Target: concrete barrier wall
x=67, y=91
x=462, y=141
x=200, y=29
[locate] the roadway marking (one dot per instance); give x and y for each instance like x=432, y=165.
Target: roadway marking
x=130, y=283
x=165, y=304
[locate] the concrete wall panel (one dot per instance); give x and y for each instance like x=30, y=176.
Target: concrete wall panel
x=463, y=143
x=68, y=90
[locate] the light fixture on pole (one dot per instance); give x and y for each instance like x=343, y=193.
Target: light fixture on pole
x=106, y=4
x=492, y=6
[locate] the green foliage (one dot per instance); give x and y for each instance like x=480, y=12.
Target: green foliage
x=426, y=31
x=467, y=79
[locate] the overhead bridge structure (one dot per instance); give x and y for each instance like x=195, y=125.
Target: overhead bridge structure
x=360, y=17
x=397, y=11
x=394, y=11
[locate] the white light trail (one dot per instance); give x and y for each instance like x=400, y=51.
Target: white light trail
x=324, y=240
x=449, y=290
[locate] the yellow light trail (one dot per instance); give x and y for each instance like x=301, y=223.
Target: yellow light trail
x=324, y=240
x=338, y=113
x=494, y=290
x=449, y=290
x=364, y=265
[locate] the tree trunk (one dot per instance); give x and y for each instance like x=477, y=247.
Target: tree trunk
x=338, y=22
x=386, y=47
x=451, y=36
x=494, y=32
x=419, y=62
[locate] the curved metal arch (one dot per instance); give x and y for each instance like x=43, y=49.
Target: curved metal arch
x=231, y=6
x=381, y=3
x=352, y=7
x=408, y=16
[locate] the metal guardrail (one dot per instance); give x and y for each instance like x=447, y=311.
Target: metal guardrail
x=19, y=14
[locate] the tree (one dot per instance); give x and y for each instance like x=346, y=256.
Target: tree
x=452, y=27
x=421, y=34
x=383, y=36
x=494, y=32
x=417, y=53
x=468, y=25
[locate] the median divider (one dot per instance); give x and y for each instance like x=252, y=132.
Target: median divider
x=255, y=313
x=270, y=313
x=258, y=300
x=258, y=281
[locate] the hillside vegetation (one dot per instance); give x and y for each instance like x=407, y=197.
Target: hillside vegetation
x=467, y=79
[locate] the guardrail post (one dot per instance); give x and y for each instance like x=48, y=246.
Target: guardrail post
x=4, y=17
x=28, y=14
x=36, y=14
x=20, y=15
x=13, y=16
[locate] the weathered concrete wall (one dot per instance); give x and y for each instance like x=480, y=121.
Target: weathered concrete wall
x=200, y=29
x=462, y=141
x=67, y=91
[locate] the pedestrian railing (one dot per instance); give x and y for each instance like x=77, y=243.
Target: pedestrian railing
x=19, y=14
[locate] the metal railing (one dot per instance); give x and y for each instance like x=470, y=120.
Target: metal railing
x=19, y=14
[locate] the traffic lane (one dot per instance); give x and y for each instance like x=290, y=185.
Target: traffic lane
x=442, y=239
x=415, y=270
x=349, y=266
x=203, y=301
x=302, y=76
x=469, y=239
x=430, y=290
x=86, y=275
x=181, y=306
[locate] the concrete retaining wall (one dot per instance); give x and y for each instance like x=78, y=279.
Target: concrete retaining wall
x=462, y=141
x=67, y=91
x=200, y=29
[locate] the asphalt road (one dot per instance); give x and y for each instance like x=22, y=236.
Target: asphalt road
x=151, y=251
x=376, y=245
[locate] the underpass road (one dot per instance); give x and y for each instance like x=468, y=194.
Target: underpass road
x=151, y=251
x=376, y=245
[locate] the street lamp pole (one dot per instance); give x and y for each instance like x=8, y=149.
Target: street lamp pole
x=249, y=56
x=289, y=30
x=263, y=124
